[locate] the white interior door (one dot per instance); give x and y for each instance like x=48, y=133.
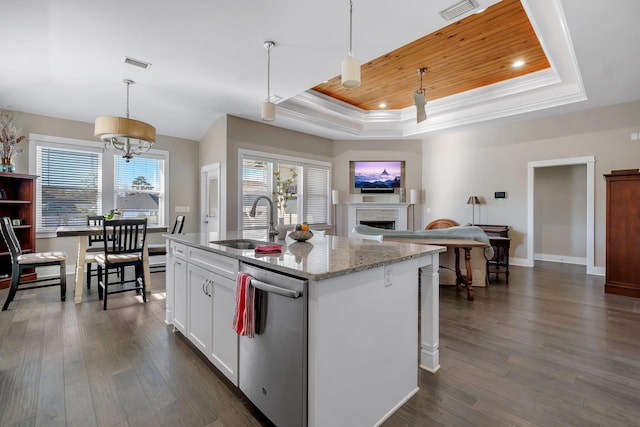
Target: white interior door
x=213, y=211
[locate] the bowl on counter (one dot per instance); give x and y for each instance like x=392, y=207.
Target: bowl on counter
x=301, y=236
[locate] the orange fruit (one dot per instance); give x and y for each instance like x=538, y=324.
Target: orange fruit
x=305, y=227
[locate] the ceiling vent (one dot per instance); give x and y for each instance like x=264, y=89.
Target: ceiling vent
x=458, y=9
x=136, y=63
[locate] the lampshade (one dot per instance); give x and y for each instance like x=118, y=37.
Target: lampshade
x=351, y=72
x=268, y=111
x=473, y=200
x=413, y=197
x=335, y=197
x=123, y=135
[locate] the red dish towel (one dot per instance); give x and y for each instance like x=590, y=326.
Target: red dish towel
x=268, y=249
x=244, y=318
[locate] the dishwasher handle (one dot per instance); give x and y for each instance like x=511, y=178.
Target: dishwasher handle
x=289, y=293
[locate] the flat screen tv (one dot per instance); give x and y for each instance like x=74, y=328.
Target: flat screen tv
x=377, y=176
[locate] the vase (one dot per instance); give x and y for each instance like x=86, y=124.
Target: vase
x=282, y=229
x=7, y=165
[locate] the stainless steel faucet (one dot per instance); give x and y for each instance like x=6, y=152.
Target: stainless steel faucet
x=272, y=232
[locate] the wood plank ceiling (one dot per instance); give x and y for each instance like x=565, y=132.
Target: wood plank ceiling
x=476, y=51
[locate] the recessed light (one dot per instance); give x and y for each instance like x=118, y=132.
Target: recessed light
x=517, y=64
x=382, y=105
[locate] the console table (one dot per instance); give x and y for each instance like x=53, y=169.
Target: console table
x=499, y=239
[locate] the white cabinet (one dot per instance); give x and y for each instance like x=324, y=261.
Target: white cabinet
x=176, y=286
x=202, y=288
x=179, y=273
x=224, y=348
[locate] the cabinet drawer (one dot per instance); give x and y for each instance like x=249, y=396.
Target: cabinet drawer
x=179, y=250
x=224, y=266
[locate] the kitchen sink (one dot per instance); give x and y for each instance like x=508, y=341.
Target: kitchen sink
x=241, y=243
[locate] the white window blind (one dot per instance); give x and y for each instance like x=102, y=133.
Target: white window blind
x=69, y=188
x=256, y=181
x=139, y=188
x=316, y=191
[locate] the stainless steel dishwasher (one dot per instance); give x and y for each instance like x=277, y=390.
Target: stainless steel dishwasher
x=273, y=364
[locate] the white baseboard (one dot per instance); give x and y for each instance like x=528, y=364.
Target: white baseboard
x=560, y=258
x=520, y=262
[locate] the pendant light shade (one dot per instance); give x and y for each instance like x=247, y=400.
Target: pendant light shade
x=268, y=107
x=420, y=99
x=123, y=135
x=268, y=111
x=350, y=66
x=350, y=72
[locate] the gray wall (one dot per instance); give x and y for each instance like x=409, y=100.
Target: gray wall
x=560, y=218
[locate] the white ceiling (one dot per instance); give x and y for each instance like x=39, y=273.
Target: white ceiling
x=63, y=58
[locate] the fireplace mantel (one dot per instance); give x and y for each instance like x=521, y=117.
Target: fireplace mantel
x=375, y=211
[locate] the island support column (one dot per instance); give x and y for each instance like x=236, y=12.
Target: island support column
x=430, y=315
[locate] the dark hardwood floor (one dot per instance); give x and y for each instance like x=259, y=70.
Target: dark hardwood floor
x=549, y=349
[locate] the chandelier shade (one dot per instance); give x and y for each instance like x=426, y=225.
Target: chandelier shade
x=125, y=136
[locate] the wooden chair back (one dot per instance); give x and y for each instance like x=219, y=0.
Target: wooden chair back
x=11, y=240
x=95, y=220
x=178, y=224
x=124, y=236
x=441, y=223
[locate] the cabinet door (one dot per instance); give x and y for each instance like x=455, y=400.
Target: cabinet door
x=199, y=308
x=178, y=269
x=224, y=348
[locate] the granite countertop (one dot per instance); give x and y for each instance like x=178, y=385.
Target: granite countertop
x=319, y=258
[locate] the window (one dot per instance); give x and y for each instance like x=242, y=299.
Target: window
x=139, y=188
x=310, y=189
x=77, y=178
x=69, y=188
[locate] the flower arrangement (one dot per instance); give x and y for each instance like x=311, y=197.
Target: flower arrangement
x=10, y=138
x=284, y=189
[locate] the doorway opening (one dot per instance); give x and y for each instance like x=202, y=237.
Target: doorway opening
x=589, y=161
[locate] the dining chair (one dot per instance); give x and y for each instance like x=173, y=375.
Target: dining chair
x=21, y=261
x=159, y=249
x=94, y=246
x=124, y=241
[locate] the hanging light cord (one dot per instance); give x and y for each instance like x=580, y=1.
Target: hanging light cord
x=350, y=28
x=128, y=84
x=421, y=90
x=269, y=72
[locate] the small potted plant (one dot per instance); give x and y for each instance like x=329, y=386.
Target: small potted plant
x=9, y=138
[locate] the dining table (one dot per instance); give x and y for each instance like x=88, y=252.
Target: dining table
x=83, y=232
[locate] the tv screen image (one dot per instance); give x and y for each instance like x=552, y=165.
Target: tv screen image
x=377, y=174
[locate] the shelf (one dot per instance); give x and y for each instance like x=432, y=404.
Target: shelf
x=14, y=202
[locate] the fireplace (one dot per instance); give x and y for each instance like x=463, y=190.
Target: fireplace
x=386, y=225
x=381, y=215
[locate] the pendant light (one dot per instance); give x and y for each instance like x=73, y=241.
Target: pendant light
x=350, y=66
x=420, y=98
x=123, y=135
x=268, y=107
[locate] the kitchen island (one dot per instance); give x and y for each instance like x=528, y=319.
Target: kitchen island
x=361, y=321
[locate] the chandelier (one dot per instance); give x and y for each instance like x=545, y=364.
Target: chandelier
x=123, y=135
